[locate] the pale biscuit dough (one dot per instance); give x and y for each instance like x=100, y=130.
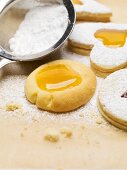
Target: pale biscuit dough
x=104, y=59
x=62, y=100
x=110, y=101
x=91, y=10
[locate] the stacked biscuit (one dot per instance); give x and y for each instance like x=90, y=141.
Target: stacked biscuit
x=88, y=39
x=112, y=98
x=91, y=10
x=106, y=45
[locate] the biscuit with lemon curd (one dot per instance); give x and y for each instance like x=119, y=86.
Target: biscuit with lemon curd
x=60, y=86
x=91, y=10
x=112, y=98
x=107, y=43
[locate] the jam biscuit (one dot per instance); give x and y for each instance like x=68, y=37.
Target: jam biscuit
x=90, y=10
x=106, y=43
x=112, y=98
x=60, y=86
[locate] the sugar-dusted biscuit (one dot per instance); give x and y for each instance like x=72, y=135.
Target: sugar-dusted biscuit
x=91, y=10
x=107, y=43
x=60, y=86
x=112, y=98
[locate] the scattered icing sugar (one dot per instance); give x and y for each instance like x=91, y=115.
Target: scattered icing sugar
x=42, y=27
x=110, y=94
x=101, y=55
x=92, y=6
x=29, y=112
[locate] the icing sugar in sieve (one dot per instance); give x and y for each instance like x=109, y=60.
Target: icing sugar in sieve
x=34, y=32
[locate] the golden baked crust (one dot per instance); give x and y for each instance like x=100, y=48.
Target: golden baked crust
x=86, y=16
x=64, y=100
x=81, y=49
x=79, y=45
x=99, y=73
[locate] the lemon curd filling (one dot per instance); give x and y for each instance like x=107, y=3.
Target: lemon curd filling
x=112, y=38
x=78, y=2
x=57, y=77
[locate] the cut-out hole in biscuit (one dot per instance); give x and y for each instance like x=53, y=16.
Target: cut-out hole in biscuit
x=112, y=38
x=77, y=2
x=124, y=95
x=57, y=77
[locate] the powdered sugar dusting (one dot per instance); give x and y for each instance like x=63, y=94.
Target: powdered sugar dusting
x=29, y=4
x=30, y=112
x=110, y=94
x=42, y=27
x=108, y=57
x=92, y=6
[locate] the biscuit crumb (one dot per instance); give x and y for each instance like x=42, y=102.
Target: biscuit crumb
x=35, y=119
x=22, y=135
x=83, y=127
x=25, y=128
x=12, y=107
x=52, y=135
x=67, y=132
x=81, y=115
x=99, y=121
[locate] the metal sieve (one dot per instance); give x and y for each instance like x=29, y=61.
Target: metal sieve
x=6, y=54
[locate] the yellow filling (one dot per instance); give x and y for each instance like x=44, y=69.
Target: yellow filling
x=112, y=38
x=57, y=77
x=78, y=2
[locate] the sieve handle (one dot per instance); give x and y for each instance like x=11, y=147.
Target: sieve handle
x=4, y=61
